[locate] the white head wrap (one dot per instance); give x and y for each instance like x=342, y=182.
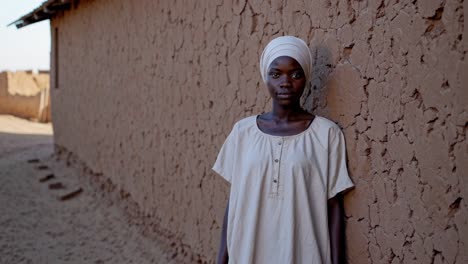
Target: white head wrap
x=289, y=46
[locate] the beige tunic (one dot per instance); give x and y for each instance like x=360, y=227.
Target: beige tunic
x=279, y=191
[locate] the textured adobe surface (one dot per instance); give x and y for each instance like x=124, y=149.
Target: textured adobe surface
x=148, y=92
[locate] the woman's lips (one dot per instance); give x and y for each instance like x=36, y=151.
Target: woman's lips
x=285, y=95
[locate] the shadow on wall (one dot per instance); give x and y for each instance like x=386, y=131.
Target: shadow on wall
x=314, y=99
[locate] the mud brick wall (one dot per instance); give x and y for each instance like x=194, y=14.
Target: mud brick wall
x=148, y=90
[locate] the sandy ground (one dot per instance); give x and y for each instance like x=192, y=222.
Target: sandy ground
x=38, y=224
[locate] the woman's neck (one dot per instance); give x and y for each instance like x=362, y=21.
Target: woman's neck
x=282, y=113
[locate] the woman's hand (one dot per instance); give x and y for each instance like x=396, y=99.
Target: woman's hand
x=336, y=229
x=223, y=257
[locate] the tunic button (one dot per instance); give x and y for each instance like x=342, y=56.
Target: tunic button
x=276, y=160
x=279, y=143
x=275, y=181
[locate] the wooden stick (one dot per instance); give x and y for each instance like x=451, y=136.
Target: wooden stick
x=46, y=178
x=70, y=195
x=42, y=167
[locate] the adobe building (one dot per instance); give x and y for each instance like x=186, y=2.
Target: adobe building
x=145, y=92
x=25, y=94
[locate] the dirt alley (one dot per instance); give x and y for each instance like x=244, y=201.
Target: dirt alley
x=52, y=214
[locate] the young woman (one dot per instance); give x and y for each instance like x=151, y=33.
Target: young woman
x=286, y=168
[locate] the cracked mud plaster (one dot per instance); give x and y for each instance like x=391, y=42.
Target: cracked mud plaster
x=148, y=92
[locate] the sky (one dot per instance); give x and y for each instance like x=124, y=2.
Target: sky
x=27, y=48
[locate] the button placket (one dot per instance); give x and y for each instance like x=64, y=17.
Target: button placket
x=277, y=164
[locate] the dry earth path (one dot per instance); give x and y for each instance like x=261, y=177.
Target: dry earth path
x=39, y=223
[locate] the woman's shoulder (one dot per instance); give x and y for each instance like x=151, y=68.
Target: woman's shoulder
x=325, y=122
x=246, y=123
x=326, y=126
x=325, y=131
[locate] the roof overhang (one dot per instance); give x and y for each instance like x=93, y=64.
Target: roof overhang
x=45, y=11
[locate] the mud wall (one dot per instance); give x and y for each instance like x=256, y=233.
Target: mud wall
x=146, y=94
x=25, y=94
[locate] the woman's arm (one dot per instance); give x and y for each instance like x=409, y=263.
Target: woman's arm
x=336, y=229
x=223, y=257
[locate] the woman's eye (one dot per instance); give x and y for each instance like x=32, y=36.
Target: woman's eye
x=297, y=75
x=274, y=75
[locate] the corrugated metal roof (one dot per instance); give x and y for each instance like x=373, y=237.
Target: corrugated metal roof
x=45, y=11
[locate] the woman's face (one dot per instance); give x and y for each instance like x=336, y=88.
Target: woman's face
x=285, y=81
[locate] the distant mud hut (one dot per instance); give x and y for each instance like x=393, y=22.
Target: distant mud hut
x=25, y=94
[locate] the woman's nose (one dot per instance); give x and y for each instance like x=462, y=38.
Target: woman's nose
x=286, y=81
